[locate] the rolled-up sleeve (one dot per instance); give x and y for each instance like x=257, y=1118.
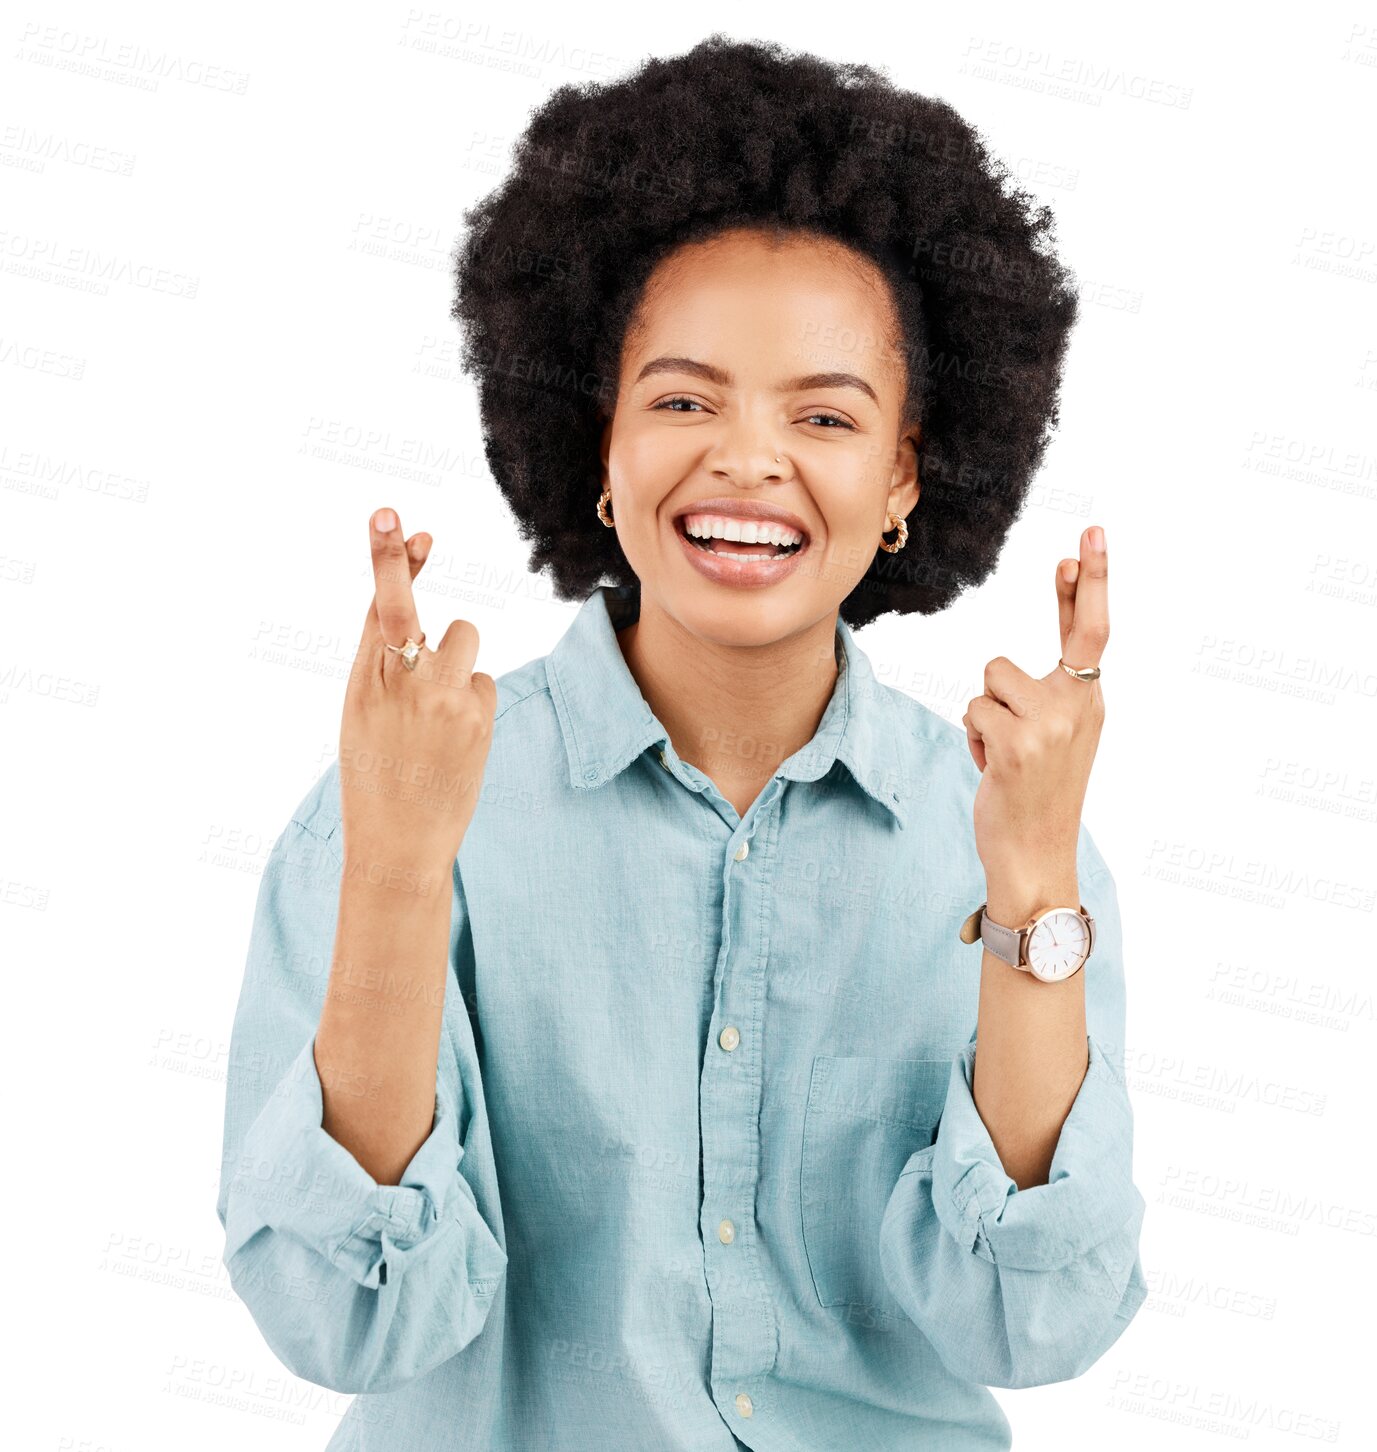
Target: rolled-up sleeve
x=1019, y=1288
x=356, y=1286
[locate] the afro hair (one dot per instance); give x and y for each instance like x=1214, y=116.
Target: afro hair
x=609, y=179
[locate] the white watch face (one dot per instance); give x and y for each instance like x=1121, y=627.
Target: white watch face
x=1058, y=945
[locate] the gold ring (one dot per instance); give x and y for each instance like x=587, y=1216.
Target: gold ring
x=410, y=652
x=1085, y=673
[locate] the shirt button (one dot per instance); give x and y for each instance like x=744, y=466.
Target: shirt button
x=663, y=762
x=729, y=1038
x=726, y=1232
x=742, y=850
x=743, y=1404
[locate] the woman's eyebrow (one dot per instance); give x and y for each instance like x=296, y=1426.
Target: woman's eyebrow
x=711, y=374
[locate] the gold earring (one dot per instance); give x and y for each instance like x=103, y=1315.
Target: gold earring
x=602, y=507
x=898, y=524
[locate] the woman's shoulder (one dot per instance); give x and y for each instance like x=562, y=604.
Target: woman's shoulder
x=934, y=743
x=527, y=760
x=941, y=754
x=521, y=693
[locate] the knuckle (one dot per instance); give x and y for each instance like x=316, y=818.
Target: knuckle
x=1096, y=631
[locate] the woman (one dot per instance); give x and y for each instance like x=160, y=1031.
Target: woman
x=604, y=1074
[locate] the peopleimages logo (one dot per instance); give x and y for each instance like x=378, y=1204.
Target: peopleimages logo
x=125, y=62
x=48, y=259
x=1067, y=77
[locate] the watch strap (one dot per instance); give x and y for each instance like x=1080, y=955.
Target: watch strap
x=1007, y=943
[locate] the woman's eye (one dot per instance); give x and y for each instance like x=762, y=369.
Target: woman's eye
x=830, y=420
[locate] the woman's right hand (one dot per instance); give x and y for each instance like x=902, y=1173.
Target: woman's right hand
x=413, y=743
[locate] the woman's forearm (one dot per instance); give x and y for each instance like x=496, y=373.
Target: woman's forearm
x=378, y=1043
x=1031, y=1051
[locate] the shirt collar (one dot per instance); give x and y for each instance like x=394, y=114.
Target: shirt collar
x=607, y=723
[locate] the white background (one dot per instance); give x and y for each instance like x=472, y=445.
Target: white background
x=187, y=465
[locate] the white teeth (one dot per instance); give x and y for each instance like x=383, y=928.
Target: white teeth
x=740, y=531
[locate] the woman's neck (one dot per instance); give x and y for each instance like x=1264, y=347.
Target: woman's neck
x=735, y=713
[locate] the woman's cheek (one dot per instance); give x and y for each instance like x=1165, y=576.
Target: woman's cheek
x=646, y=465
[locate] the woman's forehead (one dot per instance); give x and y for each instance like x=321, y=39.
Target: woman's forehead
x=766, y=303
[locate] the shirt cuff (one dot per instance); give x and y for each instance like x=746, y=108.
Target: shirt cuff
x=1088, y=1197
x=306, y=1185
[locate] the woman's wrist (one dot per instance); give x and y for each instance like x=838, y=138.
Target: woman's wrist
x=1010, y=900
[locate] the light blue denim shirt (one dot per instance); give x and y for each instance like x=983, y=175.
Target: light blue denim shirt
x=706, y=1170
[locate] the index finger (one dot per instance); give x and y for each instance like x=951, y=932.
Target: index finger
x=393, y=601
x=1089, y=632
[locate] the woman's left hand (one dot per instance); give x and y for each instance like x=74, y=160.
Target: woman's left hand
x=1034, y=742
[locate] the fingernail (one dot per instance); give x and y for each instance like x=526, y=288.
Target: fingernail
x=384, y=520
x=1096, y=538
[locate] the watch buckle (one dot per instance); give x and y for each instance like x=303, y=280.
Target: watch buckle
x=970, y=929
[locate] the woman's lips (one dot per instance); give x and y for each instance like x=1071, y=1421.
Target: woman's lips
x=727, y=569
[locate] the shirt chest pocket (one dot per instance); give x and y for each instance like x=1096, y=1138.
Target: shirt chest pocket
x=863, y=1119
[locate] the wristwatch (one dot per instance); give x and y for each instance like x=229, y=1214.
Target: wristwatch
x=1052, y=945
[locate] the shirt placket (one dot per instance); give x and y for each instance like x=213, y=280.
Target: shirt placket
x=745, y=1328
x=744, y=1325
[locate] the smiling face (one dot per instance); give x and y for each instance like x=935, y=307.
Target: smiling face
x=749, y=346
